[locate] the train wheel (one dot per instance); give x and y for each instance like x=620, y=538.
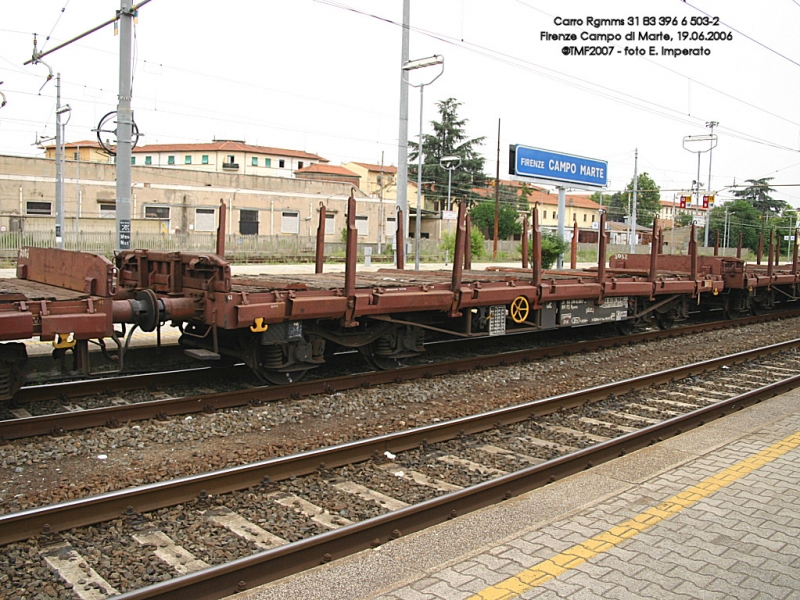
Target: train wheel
x=665, y=320
x=391, y=349
x=373, y=354
x=280, y=377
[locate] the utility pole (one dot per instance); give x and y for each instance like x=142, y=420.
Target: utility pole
x=59, y=166
x=635, y=189
x=380, y=209
x=497, y=196
x=124, y=127
x=402, y=137
x=710, y=124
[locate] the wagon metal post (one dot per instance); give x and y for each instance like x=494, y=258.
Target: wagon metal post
x=525, y=241
x=320, y=255
x=573, y=256
x=771, y=263
x=716, y=245
x=537, y=248
x=654, y=251
x=601, y=252
x=760, y=251
x=458, y=261
x=351, y=253
x=399, y=238
x=794, y=253
x=221, y=231
x=693, y=252
x=739, y=245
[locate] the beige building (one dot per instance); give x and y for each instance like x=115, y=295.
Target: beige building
x=376, y=180
x=85, y=150
x=225, y=157
x=177, y=201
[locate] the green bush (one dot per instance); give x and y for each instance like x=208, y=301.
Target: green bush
x=477, y=243
x=552, y=247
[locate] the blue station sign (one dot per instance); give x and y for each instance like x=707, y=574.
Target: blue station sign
x=557, y=167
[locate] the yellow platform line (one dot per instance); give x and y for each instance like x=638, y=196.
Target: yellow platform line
x=571, y=558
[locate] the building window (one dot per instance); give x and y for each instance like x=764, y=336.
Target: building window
x=248, y=222
x=362, y=225
x=187, y=160
x=108, y=211
x=290, y=222
x=299, y=164
x=230, y=159
x=330, y=224
x=391, y=228
x=133, y=160
x=204, y=219
x=39, y=208
x=281, y=163
x=267, y=162
x=254, y=161
x=204, y=160
x=593, y=218
x=554, y=214
x=156, y=212
x=584, y=217
x=170, y=160
x=76, y=156
x=148, y=160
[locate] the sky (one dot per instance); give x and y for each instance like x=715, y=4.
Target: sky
x=323, y=76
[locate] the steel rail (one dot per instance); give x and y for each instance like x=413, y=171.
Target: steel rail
x=114, y=416
x=223, y=580
x=86, y=511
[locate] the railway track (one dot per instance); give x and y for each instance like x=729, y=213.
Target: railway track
x=111, y=410
x=211, y=535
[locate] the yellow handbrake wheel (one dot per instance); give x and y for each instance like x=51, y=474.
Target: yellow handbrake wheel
x=520, y=309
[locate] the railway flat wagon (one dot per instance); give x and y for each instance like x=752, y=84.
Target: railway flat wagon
x=283, y=326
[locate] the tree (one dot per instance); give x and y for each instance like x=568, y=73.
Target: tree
x=483, y=218
x=682, y=219
x=613, y=205
x=648, y=201
x=743, y=218
x=758, y=195
x=449, y=139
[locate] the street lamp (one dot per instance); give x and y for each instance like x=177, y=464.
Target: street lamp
x=451, y=163
x=691, y=139
x=412, y=65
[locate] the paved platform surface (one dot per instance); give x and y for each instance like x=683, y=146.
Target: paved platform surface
x=711, y=514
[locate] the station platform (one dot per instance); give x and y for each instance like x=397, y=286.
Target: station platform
x=713, y=513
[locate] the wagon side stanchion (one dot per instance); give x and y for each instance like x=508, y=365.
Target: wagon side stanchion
x=350, y=263
x=794, y=252
x=693, y=252
x=771, y=253
x=573, y=256
x=601, y=255
x=320, y=253
x=458, y=259
x=223, y=212
x=654, y=252
x=739, y=245
x=537, y=248
x=716, y=245
x=525, y=241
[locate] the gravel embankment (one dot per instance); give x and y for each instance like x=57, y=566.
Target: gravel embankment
x=36, y=472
